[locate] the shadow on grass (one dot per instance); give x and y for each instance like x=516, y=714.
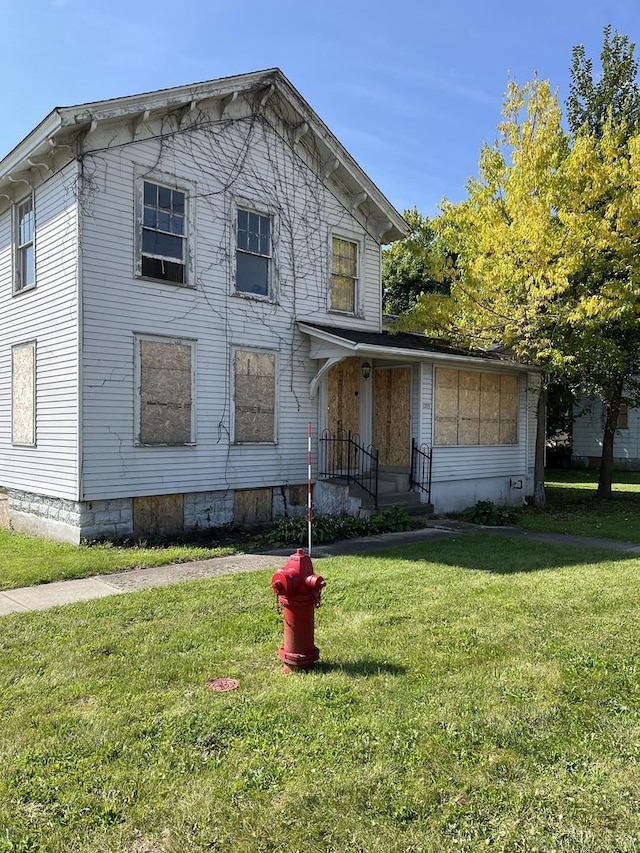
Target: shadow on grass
x=360, y=668
x=503, y=553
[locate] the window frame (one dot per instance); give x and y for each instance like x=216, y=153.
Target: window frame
x=31, y=345
x=623, y=417
x=174, y=184
x=138, y=339
x=460, y=419
x=358, y=242
x=234, y=396
x=18, y=247
x=265, y=212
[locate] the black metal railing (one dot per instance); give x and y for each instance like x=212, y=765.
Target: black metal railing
x=343, y=457
x=420, y=476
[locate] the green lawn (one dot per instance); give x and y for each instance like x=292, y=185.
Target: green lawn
x=572, y=506
x=473, y=694
x=26, y=560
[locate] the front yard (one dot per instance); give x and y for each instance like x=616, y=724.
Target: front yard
x=471, y=695
x=573, y=508
x=27, y=560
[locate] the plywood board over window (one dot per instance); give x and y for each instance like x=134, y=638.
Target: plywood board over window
x=166, y=390
x=255, y=396
x=23, y=390
x=474, y=408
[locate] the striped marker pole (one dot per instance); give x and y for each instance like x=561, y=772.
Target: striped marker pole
x=309, y=511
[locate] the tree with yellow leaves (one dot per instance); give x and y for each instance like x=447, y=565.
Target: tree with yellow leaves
x=547, y=256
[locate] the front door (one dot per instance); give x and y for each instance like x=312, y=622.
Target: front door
x=343, y=396
x=392, y=417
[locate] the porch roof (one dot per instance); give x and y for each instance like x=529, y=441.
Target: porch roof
x=335, y=342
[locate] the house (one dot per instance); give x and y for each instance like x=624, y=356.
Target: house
x=190, y=277
x=588, y=427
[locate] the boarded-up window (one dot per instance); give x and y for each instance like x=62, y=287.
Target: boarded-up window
x=344, y=275
x=623, y=416
x=255, y=396
x=475, y=408
x=166, y=406
x=23, y=384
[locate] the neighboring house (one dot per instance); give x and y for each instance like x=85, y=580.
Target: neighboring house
x=588, y=426
x=187, y=279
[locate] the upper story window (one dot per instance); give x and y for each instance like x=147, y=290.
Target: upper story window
x=164, y=233
x=25, y=257
x=253, y=253
x=344, y=275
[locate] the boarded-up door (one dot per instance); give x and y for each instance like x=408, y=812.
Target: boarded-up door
x=392, y=417
x=343, y=413
x=343, y=398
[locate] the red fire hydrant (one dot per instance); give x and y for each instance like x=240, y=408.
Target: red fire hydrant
x=297, y=591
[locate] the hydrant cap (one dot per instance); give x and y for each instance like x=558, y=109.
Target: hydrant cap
x=280, y=582
x=315, y=582
x=299, y=564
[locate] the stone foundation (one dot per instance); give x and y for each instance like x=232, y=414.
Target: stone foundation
x=77, y=521
x=69, y=521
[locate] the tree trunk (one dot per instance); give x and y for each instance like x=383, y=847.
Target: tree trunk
x=539, y=497
x=612, y=408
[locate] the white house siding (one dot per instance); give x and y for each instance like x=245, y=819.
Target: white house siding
x=425, y=418
x=587, y=437
x=463, y=475
x=47, y=314
x=116, y=306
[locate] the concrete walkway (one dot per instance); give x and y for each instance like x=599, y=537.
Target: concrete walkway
x=67, y=592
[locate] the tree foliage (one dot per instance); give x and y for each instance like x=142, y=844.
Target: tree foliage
x=614, y=96
x=409, y=266
x=546, y=243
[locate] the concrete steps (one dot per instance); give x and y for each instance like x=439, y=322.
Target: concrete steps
x=393, y=490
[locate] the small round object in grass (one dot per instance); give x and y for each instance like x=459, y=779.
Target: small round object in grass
x=222, y=685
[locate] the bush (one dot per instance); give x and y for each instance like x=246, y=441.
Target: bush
x=489, y=514
x=328, y=528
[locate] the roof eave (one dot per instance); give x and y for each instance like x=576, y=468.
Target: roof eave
x=389, y=224
x=31, y=144
x=417, y=355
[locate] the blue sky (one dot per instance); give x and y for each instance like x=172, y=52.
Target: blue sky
x=412, y=90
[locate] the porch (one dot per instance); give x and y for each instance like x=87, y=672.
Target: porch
x=343, y=459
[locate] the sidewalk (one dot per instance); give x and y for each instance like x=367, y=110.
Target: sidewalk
x=67, y=592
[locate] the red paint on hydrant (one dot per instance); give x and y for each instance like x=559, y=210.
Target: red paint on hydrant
x=298, y=590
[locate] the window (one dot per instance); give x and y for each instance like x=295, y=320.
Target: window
x=164, y=233
x=23, y=393
x=623, y=416
x=253, y=253
x=165, y=369
x=25, y=268
x=474, y=408
x=255, y=396
x=344, y=275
